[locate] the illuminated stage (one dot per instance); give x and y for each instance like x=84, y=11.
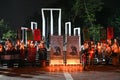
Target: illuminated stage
x=68, y=68
x=73, y=62
x=54, y=62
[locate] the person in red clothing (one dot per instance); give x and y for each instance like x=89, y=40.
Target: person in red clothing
x=1, y=49
x=32, y=54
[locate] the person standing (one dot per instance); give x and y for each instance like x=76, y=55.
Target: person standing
x=42, y=53
x=84, y=54
x=108, y=52
x=1, y=53
x=32, y=54
x=115, y=52
x=99, y=51
x=91, y=53
x=22, y=54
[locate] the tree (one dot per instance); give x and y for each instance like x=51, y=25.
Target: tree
x=114, y=21
x=83, y=13
x=9, y=35
x=5, y=31
x=86, y=10
x=3, y=28
x=95, y=32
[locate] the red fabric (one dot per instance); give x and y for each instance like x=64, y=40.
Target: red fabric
x=31, y=54
x=37, y=35
x=110, y=32
x=22, y=54
x=91, y=54
x=84, y=58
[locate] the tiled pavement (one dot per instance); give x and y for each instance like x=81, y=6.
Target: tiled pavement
x=98, y=72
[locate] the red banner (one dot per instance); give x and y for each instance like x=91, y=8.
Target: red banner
x=110, y=33
x=37, y=35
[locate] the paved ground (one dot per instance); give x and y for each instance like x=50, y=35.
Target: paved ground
x=97, y=72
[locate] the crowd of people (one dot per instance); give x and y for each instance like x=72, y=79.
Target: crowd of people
x=19, y=52
x=107, y=51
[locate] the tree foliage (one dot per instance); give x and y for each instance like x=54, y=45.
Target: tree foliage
x=114, y=21
x=3, y=28
x=83, y=13
x=95, y=32
x=9, y=35
x=86, y=10
x=5, y=31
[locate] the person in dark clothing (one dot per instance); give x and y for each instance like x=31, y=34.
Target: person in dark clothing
x=2, y=50
x=22, y=55
x=42, y=53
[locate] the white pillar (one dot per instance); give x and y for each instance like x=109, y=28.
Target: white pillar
x=79, y=34
x=43, y=24
x=32, y=25
x=24, y=34
x=67, y=32
x=51, y=21
x=59, y=23
x=75, y=30
x=68, y=28
x=51, y=17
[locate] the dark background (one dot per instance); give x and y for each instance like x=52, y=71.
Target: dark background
x=16, y=12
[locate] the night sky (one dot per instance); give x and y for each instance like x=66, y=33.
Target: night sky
x=15, y=12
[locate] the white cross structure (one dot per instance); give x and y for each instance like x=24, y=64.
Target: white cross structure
x=51, y=21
